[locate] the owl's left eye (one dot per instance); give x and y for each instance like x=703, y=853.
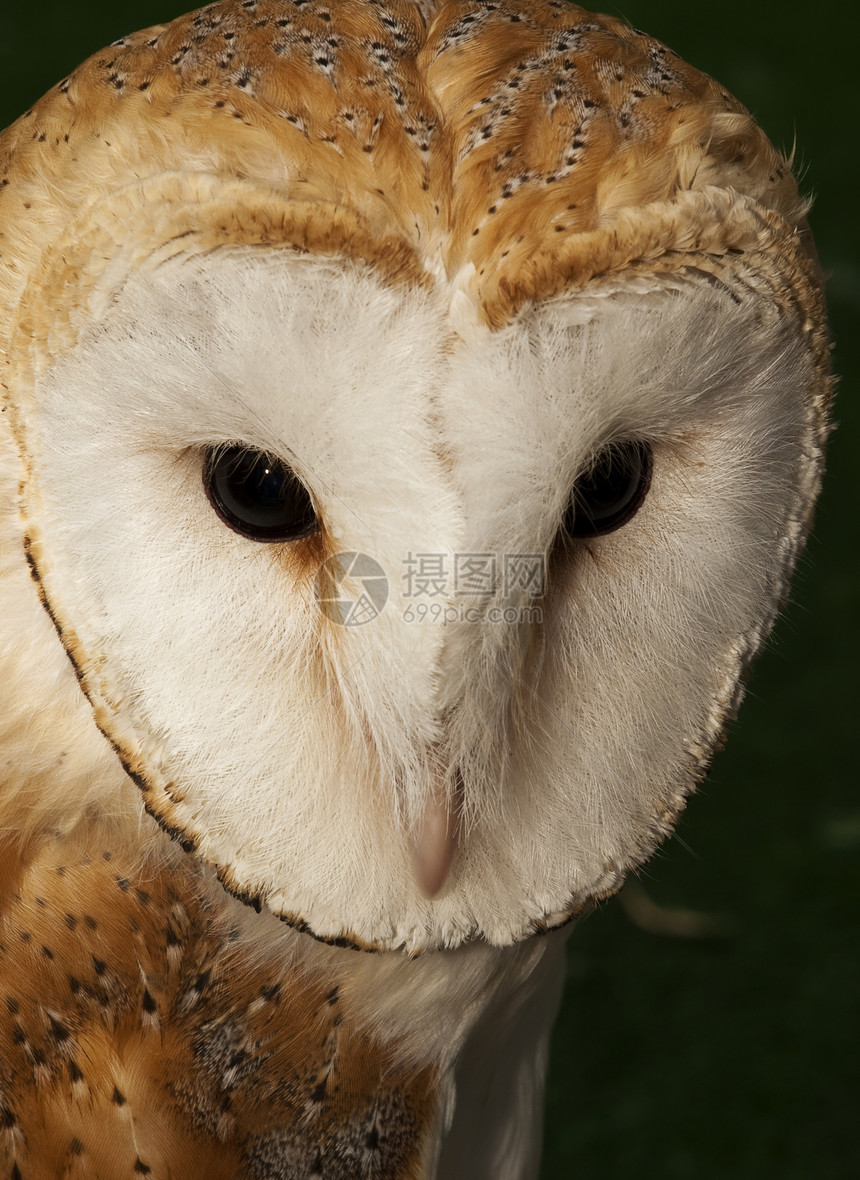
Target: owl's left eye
x=611, y=493
x=257, y=495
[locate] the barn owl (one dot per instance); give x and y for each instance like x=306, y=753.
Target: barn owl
x=412, y=415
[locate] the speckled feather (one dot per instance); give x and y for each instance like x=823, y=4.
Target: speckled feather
x=139, y=1036
x=511, y=137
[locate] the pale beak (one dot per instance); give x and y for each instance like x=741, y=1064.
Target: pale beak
x=433, y=844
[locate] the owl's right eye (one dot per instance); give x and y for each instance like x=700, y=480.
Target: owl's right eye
x=257, y=495
x=611, y=493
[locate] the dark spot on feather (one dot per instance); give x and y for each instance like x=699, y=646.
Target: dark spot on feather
x=58, y=1031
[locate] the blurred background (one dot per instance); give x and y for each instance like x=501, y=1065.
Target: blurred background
x=710, y=1020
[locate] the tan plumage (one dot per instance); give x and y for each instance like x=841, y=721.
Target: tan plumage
x=496, y=157
x=145, y=1035
x=501, y=133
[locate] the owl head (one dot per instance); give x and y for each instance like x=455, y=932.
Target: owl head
x=418, y=411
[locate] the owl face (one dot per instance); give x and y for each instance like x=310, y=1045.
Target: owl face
x=410, y=558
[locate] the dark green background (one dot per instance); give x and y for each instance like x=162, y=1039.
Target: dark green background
x=734, y=1056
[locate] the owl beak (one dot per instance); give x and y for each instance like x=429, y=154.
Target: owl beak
x=433, y=845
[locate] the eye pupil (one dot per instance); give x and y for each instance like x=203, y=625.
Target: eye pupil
x=257, y=496
x=264, y=485
x=611, y=492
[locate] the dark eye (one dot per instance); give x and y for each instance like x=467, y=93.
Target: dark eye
x=608, y=495
x=257, y=496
